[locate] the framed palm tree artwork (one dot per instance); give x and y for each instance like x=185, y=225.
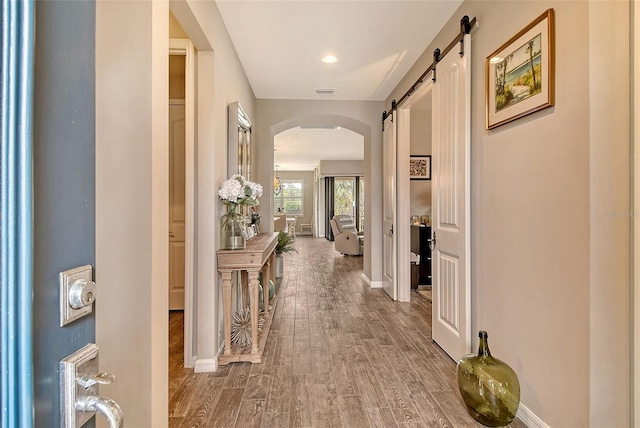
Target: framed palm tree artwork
x=520, y=74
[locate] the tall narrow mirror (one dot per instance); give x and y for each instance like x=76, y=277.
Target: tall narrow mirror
x=239, y=159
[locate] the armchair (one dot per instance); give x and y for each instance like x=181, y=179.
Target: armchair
x=347, y=238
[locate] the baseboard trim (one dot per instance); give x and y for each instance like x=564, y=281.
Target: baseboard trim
x=529, y=418
x=372, y=284
x=206, y=365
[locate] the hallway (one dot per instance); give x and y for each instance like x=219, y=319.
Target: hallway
x=339, y=354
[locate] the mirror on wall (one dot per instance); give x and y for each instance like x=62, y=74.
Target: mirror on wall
x=239, y=146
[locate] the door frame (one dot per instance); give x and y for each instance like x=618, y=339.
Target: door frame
x=635, y=185
x=185, y=47
x=390, y=128
x=403, y=186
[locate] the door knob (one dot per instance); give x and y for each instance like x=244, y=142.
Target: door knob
x=104, y=406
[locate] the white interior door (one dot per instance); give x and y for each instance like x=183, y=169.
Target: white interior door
x=389, y=265
x=451, y=203
x=176, y=204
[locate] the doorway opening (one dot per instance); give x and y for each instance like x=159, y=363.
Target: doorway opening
x=344, y=196
x=308, y=156
x=420, y=196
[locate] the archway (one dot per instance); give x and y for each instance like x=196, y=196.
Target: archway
x=372, y=144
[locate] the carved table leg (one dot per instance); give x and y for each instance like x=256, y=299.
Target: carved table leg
x=253, y=290
x=272, y=262
x=226, y=310
x=266, y=277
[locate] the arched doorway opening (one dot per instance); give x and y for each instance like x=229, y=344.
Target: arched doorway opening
x=321, y=172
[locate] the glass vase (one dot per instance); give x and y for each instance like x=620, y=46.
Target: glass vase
x=489, y=387
x=232, y=233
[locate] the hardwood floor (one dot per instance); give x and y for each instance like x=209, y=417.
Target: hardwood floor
x=339, y=354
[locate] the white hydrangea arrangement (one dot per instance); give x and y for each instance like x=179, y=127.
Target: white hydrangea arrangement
x=238, y=191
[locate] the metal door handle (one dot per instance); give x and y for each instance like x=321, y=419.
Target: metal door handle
x=79, y=388
x=105, y=406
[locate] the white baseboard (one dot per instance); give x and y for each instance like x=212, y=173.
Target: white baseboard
x=206, y=365
x=191, y=364
x=372, y=284
x=529, y=418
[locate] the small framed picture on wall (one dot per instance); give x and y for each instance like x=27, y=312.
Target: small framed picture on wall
x=420, y=167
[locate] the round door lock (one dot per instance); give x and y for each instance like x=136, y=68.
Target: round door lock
x=82, y=293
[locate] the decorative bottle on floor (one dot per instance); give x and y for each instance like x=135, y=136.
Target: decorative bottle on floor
x=489, y=387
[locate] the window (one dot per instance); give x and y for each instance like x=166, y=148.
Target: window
x=349, y=199
x=291, y=199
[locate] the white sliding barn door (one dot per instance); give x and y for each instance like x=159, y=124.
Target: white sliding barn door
x=389, y=265
x=451, y=203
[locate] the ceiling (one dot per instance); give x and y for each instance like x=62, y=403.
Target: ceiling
x=301, y=149
x=281, y=43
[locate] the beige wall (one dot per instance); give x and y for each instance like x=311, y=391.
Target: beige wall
x=222, y=81
x=546, y=265
x=336, y=168
x=420, y=136
x=609, y=172
x=363, y=117
x=132, y=191
x=131, y=205
x=308, y=185
x=341, y=168
x=175, y=29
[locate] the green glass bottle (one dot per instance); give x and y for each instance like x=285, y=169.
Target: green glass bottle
x=489, y=387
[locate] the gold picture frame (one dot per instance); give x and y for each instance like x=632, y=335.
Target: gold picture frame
x=520, y=74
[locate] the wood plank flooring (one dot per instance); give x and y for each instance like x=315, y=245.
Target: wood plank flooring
x=339, y=354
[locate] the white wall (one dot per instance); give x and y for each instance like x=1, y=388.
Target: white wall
x=132, y=190
x=363, y=117
x=546, y=265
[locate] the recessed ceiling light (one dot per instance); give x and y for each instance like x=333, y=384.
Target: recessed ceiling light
x=329, y=59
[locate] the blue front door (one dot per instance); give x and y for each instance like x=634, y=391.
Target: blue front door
x=48, y=199
x=64, y=185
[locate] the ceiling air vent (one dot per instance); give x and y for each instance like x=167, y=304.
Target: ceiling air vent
x=325, y=90
x=319, y=127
